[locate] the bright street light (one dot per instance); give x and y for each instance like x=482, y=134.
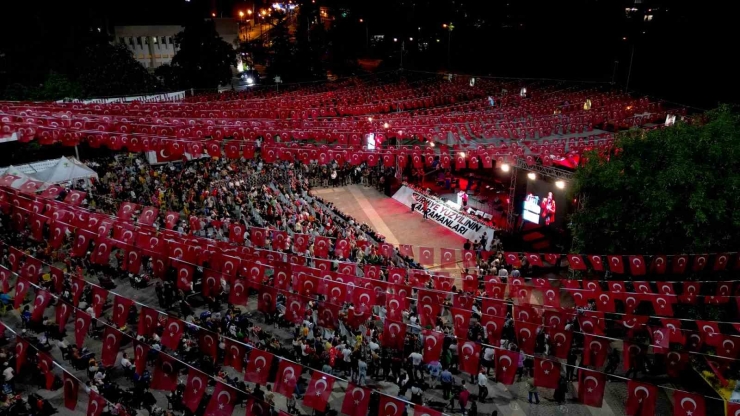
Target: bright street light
x=505, y=167
x=560, y=184
x=241, y=13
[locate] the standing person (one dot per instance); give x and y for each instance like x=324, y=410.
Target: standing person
x=463, y=397
x=425, y=207
x=533, y=391
x=482, y=385
x=446, y=379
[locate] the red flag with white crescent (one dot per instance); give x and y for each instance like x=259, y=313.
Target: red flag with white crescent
x=46, y=365
x=469, y=353
x=208, y=343
x=594, y=351
x=641, y=398
x=591, y=387
x=141, y=354
x=121, y=307
x=286, y=377
x=561, y=343
x=494, y=326
x=390, y=406
x=616, y=265
x=659, y=264
x=461, y=322
x=689, y=404
x=194, y=389
x=39, y=304
x=506, y=366
x=95, y=404
x=576, y=262
x=111, y=345
x=318, y=391
x=82, y=323
x=172, y=333
x=222, y=401
x=526, y=333
x=356, y=400
x=21, y=289
x=62, y=313
x=70, y=391
x=258, y=366
x=637, y=265
x=234, y=355
x=546, y=373
x=394, y=334
x=433, y=341
x=165, y=373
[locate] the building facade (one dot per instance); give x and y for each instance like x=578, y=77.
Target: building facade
x=154, y=46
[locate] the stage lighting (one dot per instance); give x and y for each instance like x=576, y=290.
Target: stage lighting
x=505, y=167
x=532, y=176
x=462, y=154
x=386, y=125
x=560, y=184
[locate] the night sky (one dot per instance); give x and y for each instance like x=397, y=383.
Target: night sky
x=685, y=54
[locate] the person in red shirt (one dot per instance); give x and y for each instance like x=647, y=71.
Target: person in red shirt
x=425, y=208
x=463, y=397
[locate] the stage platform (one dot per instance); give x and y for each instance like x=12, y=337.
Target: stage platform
x=391, y=219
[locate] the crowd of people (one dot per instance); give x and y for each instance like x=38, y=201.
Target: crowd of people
x=276, y=196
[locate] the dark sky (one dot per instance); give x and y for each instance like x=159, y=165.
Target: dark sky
x=687, y=54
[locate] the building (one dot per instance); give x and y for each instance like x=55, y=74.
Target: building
x=154, y=45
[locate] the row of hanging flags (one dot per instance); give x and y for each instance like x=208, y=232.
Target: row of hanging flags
x=641, y=397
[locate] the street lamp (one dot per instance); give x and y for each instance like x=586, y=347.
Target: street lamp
x=449, y=28
x=241, y=14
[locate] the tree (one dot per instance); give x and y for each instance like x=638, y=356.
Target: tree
x=107, y=69
x=672, y=190
x=203, y=59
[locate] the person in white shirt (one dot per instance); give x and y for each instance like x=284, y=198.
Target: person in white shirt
x=488, y=359
x=482, y=386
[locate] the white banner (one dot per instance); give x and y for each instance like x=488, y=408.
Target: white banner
x=155, y=98
x=445, y=215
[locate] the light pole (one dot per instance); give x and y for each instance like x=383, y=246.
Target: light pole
x=367, y=36
x=449, y=41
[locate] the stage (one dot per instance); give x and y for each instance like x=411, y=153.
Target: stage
x=392, y=219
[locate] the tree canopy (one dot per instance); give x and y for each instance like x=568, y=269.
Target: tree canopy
x=669, y=191
x=203, y=58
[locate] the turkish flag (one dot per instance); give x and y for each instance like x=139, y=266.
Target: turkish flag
x=239, y=292
x=428, y=311
x=534, y=259
x=258, y=366
x=690, y=404
x=21, y=289
x=101, y=255
x=222, y=401
x=633, y=353
x=710, y=332
x=318, y=391
x=5, y=275
x=371, y=272
x=70, y=391
x=171, y=219
x=526, y=334
x=286, y=378
x=461, y=322
x=426, y=256
x=720, y=262
x=700, y=261
x=58, y=231
x=148, y=216
x=594, y=351
x=21, y=350
x=659, y=264
x=62, y=313
x=395, y=305
x=469, y=283
x=321, y=246
x=641, y=398
x=432, y=345
x=546, y=373
x=100, y=296
x=148, y=320
x=661, y=339
x=39, y=305
x=234, y=355
x=390, y=406
x=616, y=265
x=356, y=400
x=576, y=262
x=447, y=257
x=121, y=307
x=257, y=236
x=468, y=258
x=394, y=334
x=194, y=389
x=363, y=299
x=678, y=264
x=111, y=344
x=637, y=265
x=662, y=304
x=165, y=374
x=665, y=288
x=591, y=387
x=561, y=342
x=127, y=210
x=95, y=404
x=266, y=299
x=82, y=323
x=506, y=366
x=46, y=364
x=172, y=333
x=443, y=283
x=328, y=315
x=14, y=258
x=141, y=353
x=208, y=343
x=469, y=356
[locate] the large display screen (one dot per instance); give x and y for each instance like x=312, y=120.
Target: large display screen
x=544, y=204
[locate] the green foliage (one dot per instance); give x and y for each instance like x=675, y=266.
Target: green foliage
x=107, y=69
x=204, y=59
x=673, y=190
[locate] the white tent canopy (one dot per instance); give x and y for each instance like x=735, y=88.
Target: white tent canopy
x=65, y=170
